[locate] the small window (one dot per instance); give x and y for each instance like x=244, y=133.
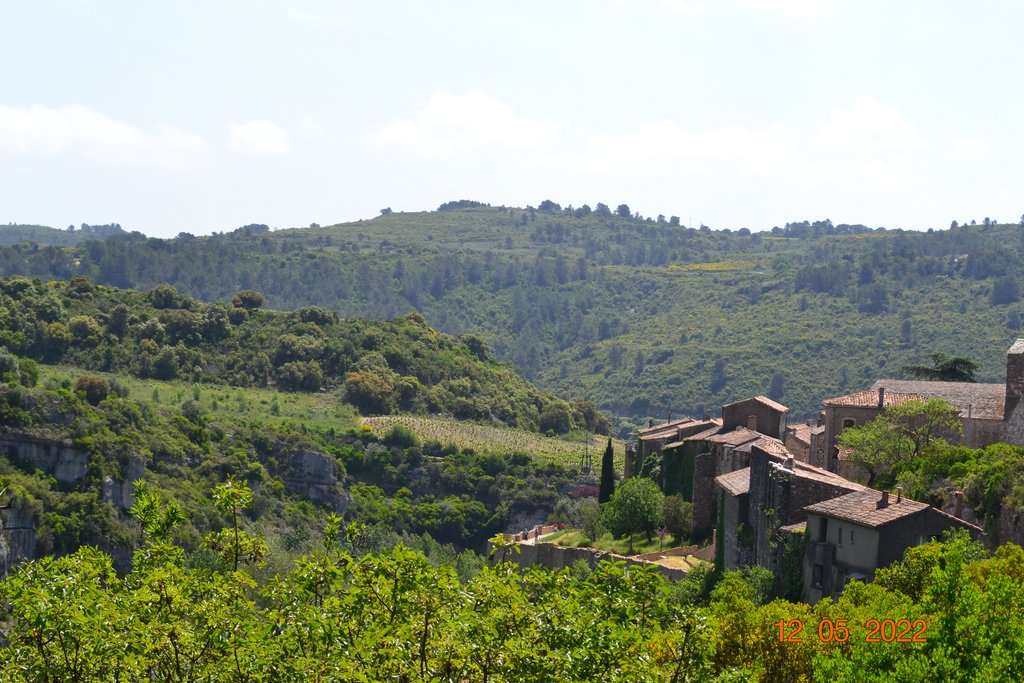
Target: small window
x=823, y=529
x=851, y=536
x=849, y=422
x=818, y=575
x=840, y=536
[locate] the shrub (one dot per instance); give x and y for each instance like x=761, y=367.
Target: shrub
x=93, y=388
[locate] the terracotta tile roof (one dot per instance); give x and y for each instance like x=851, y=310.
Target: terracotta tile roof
x=800, y=432
x=861, y=507
x=735, y=483
x=986, y=401
x=774, y=405
x=764, y=400
x=736, y=437
x=869, y=398
x=706, y=434
x=812, y=473
x=769, y=444
x=664, y=426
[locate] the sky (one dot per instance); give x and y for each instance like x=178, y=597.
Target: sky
x=204, y=116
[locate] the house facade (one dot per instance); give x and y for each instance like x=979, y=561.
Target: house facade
x=851, y=536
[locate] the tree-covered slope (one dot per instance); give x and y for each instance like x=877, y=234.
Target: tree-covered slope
x=640, y=316
x=380, y=367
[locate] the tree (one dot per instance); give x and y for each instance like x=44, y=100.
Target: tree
x=233, y=544
x=1005, y=290
x=93, y=388
x=248, y=299
x=677, y=515
x=588, y=518
x=902, y=433
x=607, y=474
x=944, y=369
x=635, y=506
x=622, y=211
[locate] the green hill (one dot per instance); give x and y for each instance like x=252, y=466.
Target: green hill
x=41, y=234
x=640, y=316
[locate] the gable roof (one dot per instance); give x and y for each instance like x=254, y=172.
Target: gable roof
x=774, y=405
x=736, y=437
x=982, y=401
x=861, y=507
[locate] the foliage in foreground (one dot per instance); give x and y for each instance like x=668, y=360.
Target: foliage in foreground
x=394, y=616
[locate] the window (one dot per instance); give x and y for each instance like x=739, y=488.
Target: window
x=851, y=536
x=823, y=529
x=840, y=536
x=818, y=576
x=849, y=422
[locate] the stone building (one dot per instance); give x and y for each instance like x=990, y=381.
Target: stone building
x=851, y=536
x=989, y=413
x=771, y=493
x=760, y=414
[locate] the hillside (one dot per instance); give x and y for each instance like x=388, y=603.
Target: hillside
x=640, y=316
x=41, y=234
x=379, y=367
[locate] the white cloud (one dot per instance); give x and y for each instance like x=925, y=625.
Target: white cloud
x=792, y=8
x=259, y=138
x=318, y=19
x=79, y=131
x=868, y=127
x=457, y=124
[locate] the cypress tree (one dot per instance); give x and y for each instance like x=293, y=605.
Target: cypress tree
x=607, y=474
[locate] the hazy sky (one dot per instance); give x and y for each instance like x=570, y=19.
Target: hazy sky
x=202, y=116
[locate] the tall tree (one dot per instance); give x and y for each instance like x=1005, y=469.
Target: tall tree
x=604, y=494
x=944, y=369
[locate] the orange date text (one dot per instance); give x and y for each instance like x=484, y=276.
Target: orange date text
x=878, y=631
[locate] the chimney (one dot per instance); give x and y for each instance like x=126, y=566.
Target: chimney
x=884, y=501
x=705, y=417
x=650, y=423
x=1014, y=376
x=789, y=463
x=899, y=494
x=752, y=422
x=958, y=504
x=881, y=398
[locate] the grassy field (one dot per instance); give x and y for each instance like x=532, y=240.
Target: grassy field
x=316, y=411
x=566, y=451
x=324, y=411
x=574, y=538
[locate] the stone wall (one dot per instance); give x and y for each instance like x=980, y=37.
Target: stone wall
x=704, y=496
x=556, y=557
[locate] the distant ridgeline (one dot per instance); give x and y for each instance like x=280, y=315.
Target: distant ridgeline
x=380, y=367
x=644, y=316
x=40, y=234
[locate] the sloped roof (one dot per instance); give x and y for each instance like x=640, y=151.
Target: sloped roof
x=740, y=435
x=705, y=435
x=774, y=405
x=869, y=398
x=861, y=507
x=735, y=483
x=664, y=426
x=986, y=401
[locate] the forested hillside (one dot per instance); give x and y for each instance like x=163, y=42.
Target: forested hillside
x=642, y=316
x=41, y=234
x=379, y=367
